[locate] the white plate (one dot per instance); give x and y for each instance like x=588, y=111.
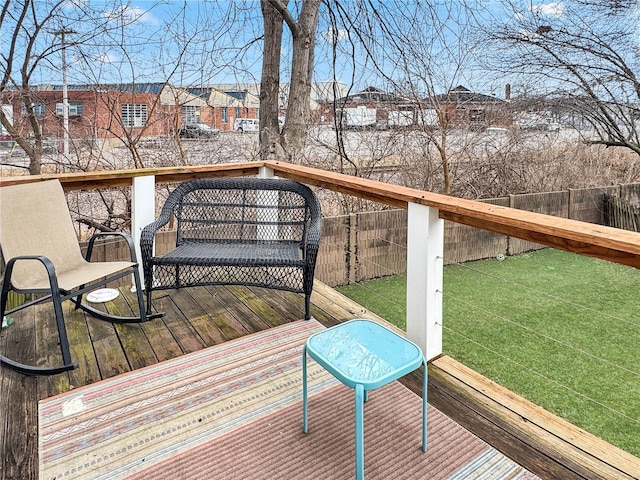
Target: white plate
x=102, y=295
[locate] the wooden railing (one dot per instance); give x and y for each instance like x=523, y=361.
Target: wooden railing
x=426, y=214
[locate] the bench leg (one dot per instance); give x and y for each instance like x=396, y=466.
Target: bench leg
x=148, y=295
x=307, y=306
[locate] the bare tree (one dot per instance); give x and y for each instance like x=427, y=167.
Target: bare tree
x=35, y=45
x=584, y=54
x=130, y=73
x=270, y=141
x=18, y=65
x=417, y=51
x=288, y=144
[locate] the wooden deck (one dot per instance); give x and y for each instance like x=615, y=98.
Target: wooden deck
x=200, y=317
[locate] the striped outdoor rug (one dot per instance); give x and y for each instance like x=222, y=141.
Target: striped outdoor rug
x=233, y=411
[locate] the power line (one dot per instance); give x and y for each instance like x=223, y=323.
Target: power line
x=545, y=336
x=555, y=382
x=548, y=295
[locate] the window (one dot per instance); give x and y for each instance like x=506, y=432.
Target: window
x=477, y=115
x=134, y=114
x=238, y=112
x=190, y=114
x=75, y=109
x=38, y=109
x=225, y=115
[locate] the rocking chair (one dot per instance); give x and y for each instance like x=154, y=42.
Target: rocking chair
x=42, y=256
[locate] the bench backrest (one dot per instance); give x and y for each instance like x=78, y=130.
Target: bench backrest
x=243, y=210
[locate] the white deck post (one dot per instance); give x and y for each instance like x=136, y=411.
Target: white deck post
x=425, y=253
x=265, y=172
x=143, y=211
x=267, y=198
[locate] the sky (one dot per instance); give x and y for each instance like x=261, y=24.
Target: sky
x=212, y=41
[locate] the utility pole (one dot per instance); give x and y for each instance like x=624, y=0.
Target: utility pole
x=65, y=99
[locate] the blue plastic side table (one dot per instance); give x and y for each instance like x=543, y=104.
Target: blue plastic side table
x=363, y=355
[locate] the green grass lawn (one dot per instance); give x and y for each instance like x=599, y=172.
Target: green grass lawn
x=562, y=330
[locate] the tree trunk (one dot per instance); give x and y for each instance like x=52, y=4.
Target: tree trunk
x=270, y=140
x=288, y=145
x=295, y=131
x=32, y=149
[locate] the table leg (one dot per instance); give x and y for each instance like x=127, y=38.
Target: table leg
x=360, y=432
x=304, y=389
x=424, y=405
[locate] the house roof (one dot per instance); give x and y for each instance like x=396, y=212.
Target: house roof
x=320, y=91
x=245, y=97
x=203, y=92
x=462, y=94
x=178, y=96
x=238, y=95
x=151, y=88
x=225, y=95
x=373, y=95
x=225, y=98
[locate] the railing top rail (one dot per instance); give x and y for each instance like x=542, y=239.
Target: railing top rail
x=119, y=178
x=619, y=246
x=608, y=243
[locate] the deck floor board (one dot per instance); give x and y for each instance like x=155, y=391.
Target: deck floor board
x=196, y=318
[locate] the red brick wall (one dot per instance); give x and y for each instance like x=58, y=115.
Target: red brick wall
x=101, y=114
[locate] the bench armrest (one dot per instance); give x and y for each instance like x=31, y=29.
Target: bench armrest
x=146, y=246
x=149, y=232
x=312, y=241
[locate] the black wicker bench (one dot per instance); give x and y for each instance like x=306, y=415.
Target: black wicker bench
x=237, y=231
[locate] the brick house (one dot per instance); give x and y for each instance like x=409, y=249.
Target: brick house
x=462, y=107
x=105, y=112
x=113, y=113
x=385, y=108
x=218, y=108
x=249, y=96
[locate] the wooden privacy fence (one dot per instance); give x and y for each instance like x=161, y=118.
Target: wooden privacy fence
x=368, y=245
x=620, y=213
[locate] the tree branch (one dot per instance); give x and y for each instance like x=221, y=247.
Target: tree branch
x=287, y=17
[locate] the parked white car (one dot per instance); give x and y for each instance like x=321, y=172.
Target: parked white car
x=246, y=125
x=251, y=124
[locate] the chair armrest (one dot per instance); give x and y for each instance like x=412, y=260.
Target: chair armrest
x=125, y=236
x=312, y=241
x=48, y=265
